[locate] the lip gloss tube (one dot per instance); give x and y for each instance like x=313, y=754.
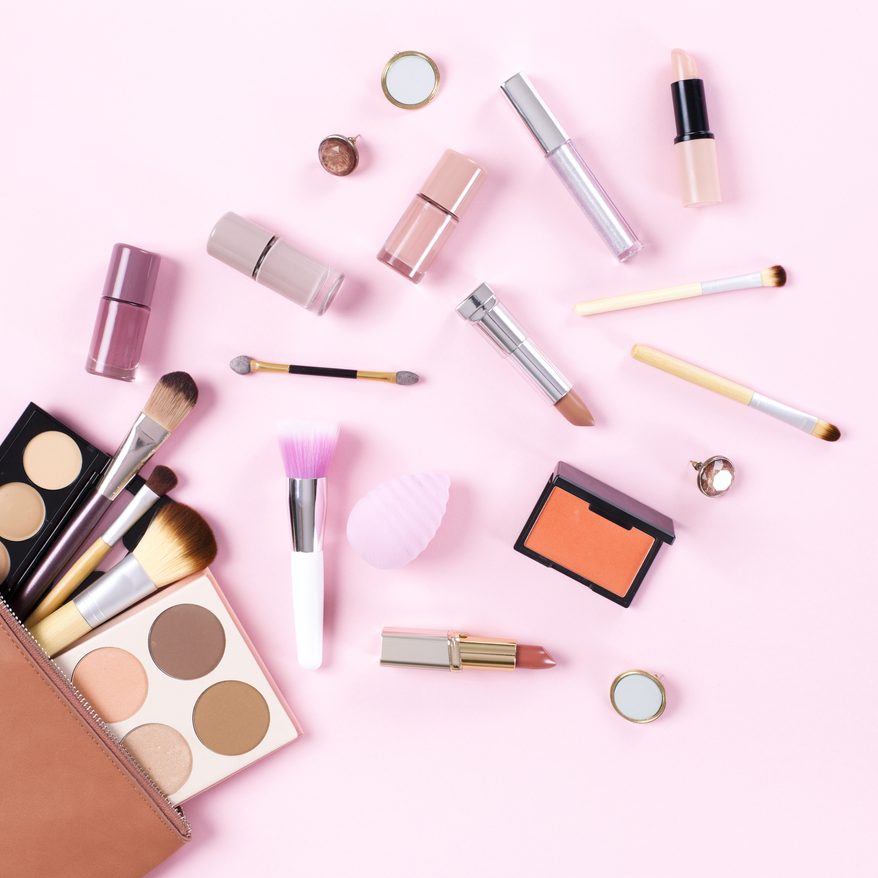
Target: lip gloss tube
x=567, y=163
x=483, y=310
x=432, y=215
x=694, y=144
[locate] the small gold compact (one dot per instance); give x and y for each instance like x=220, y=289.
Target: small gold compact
x=410, y=80
x=715, y=475
x=638, y=696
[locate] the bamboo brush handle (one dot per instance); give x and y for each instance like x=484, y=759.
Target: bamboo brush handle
x=636, y=300
x=87, y=563
x=694, y=374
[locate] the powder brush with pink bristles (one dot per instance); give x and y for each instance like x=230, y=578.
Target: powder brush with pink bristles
x=307, y=449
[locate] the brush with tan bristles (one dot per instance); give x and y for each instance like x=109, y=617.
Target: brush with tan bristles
x=177, y=543
x=170, y=401
x=775, y=276
x=738, y=392
x=161, y=480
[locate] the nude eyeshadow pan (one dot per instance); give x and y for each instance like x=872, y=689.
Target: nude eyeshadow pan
x=179, y=682
x=594, y=534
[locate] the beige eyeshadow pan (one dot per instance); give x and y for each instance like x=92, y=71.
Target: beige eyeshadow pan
x=113, y=680
x=52, y=460
x=22, y=511
x=4, y=563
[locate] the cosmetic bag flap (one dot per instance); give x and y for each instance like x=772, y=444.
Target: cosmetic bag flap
x=73, y=804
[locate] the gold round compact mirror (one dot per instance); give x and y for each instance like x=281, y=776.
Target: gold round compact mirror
x=410, y=80
x=638, y=696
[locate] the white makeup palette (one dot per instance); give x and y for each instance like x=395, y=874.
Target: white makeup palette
x=177, y=679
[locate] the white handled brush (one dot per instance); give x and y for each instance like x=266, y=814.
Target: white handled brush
x=307, y=450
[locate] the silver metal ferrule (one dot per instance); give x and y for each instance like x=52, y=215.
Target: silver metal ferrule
x=143, y=501
x=120, y=588
x=484, y=310
x=143, y=440
x=786, y=413
x=728, y=284
x=419, y=648
x=536, y=115
x=307, y=513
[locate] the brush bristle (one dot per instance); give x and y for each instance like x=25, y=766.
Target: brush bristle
x=161, y=480
x=827, y=431
x=177, y=543
x=172, y=399
x=776, y=276
x=61, y=628
x=241, y=365
x=307, y=448
x=407, y=378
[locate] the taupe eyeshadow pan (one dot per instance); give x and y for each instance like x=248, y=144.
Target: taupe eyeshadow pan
x=187, y=641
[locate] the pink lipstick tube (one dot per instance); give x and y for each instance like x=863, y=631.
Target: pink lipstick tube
x=694, y=144
x=568, y=164
x=432, y=216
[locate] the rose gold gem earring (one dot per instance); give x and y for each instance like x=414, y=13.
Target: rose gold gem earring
x=338, y=155
x=715, y=475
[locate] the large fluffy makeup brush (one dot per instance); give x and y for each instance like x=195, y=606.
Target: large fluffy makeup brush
x=696, y=375
x=177, y=543
x=307, y=449
x=775, y=276
x=170, y=401
x=244, y=365
x=161, y=480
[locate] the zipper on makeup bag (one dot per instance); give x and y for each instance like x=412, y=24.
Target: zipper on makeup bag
x=32, y=646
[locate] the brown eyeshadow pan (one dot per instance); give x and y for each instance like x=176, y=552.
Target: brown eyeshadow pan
x=187, y=641
x=230, y=717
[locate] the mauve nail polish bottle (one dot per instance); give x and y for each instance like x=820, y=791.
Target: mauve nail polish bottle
x=432, y=215
x=123, y=314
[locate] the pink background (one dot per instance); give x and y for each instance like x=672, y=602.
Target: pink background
x=144, y=123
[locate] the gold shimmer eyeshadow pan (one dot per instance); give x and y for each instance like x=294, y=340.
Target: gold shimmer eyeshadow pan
x=179, y=682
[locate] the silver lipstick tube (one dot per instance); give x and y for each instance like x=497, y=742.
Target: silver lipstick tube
x=483, y=310
x=307, y=513
x=120, y=588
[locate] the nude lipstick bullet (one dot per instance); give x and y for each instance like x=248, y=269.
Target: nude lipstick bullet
x=452, y=651
x=694, y=144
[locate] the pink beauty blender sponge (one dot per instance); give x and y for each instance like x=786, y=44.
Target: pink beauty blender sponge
x=392, y=524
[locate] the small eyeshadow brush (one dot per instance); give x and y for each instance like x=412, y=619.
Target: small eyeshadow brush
x=160, y=482
x=171, y=400
x=775, y=276
x=177, y=543
x=307, y=449
x=244, y=365
x=738, y=392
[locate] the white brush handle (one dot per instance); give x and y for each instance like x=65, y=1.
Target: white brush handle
x=307, y=572
x=637, y=300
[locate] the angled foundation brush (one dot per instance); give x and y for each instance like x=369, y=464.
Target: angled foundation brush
x=161, y=480
x=775, y=276
x=307, y=449
x=738, y=392
x=177, y=543
x=170, y=401
x=244, y=365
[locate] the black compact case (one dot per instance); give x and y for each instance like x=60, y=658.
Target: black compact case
x=19, y=557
